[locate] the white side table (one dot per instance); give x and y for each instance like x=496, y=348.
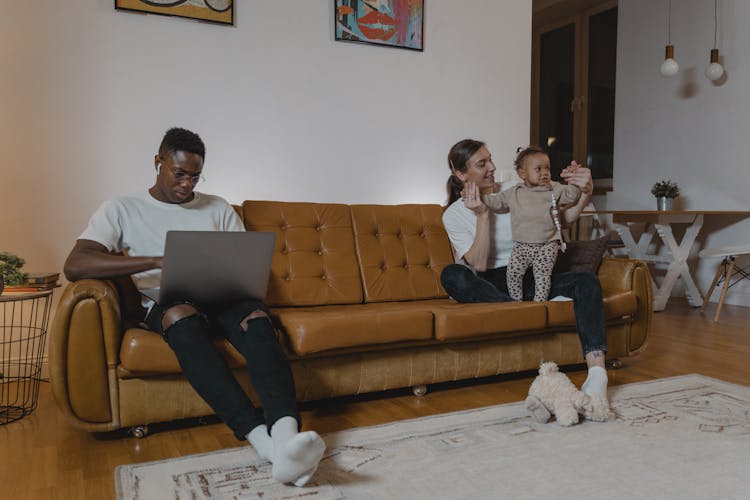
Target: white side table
x=23, y=331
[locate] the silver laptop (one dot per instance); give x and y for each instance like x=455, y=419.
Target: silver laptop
x=214, y=266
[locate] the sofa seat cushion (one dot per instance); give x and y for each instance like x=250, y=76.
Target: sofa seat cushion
x=616, y=305
x=144, y=352
x=310, y=330
x=455, y=321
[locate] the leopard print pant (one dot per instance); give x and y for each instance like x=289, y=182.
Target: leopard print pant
x=541, y=257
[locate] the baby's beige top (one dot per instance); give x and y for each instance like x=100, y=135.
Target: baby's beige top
x=531, y=209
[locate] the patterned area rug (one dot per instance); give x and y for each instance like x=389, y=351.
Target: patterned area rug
x=684, y=437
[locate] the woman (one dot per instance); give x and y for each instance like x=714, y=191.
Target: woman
x=482, y=243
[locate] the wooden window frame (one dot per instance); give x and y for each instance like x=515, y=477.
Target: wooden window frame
x=576, y=12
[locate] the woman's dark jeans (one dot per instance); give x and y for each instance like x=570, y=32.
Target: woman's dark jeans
x=491, y=286
x=191, y=339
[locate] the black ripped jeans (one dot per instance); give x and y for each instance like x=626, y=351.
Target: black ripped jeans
x=491, y=286
x=191, y=339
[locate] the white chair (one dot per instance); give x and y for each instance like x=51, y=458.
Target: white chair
x=727, y=270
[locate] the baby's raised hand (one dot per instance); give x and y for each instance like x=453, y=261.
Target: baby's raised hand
x=572, y=167
x=578, y=176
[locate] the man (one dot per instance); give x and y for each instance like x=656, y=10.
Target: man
x=136, y=226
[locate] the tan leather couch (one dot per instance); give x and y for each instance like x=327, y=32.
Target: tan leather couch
x=355, y=294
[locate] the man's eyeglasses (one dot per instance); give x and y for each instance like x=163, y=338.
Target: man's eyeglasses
x=183, y=176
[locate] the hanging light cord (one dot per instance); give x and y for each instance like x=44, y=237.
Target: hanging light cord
x=716, y=21
x=669, y=22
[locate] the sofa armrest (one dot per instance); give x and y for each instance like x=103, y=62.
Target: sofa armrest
x=618, y=275
x=84, y=350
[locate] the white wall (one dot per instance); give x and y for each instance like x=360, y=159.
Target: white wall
x=286, y=112
x=685, y=128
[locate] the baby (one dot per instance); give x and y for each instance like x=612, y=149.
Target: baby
x=534, y=221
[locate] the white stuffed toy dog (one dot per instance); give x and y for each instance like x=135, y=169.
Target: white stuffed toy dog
x=552, y=393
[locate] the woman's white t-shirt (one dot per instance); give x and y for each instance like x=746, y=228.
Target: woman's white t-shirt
x=461, y=226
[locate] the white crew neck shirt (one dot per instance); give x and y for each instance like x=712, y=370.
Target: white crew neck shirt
x=461, y=225
x=137, y=225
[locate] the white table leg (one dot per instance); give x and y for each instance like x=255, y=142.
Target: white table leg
x=677, y=258
x=634, y=249
x=639, y=251
x=678, y=267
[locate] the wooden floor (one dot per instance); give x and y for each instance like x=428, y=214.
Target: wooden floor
x=43, y=458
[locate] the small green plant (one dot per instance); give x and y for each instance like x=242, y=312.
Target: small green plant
x=10, y=269
x=666, y=189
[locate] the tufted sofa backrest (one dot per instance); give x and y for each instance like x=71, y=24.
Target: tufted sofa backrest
x=340, y=254
x=402, y=249
x=314, y=260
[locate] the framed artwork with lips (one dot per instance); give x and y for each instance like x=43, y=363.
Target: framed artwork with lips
x=392, y=23
x=214, y=11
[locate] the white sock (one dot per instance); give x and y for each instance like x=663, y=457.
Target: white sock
x=261, y=441
x=561, y=298
x=296, y=454
x=596, y=382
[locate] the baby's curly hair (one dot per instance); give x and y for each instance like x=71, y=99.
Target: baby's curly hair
x=524, y=152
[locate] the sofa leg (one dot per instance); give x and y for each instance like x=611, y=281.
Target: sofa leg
x=139, y=431
x=419, y=390
x=614, y=363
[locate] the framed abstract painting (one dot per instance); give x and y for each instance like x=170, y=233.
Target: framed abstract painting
x=214, y=11
x=392, y=23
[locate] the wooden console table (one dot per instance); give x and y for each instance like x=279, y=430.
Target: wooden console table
x=661, y=222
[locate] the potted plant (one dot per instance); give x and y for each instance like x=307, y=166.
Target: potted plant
x=10, y=273
x=665, y=192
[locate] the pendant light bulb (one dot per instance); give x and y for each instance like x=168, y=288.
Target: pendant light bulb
x=714, y=70
x=669, y=67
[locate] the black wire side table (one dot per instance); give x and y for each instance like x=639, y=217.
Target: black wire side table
x=23, y=330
